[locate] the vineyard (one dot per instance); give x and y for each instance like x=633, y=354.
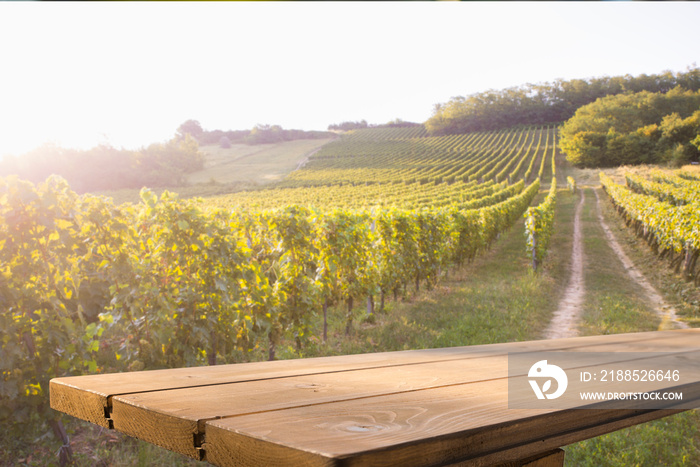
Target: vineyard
x=88, y=286
x=664, y=210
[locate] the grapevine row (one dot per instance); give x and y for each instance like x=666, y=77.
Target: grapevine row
x=539, y=226
x=672, y=231
x=86, y=286
x=677, y=194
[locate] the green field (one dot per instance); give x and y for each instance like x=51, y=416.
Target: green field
x=240, y=167
x=255, y=164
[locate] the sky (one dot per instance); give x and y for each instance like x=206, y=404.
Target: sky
x=128, y=74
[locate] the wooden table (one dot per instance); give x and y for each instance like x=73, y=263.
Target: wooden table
x=412, y=408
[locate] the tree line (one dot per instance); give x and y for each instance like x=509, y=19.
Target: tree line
x=107, y=168
x=545, y=103
x=362, y=124
x=259, y=134
x=639, y=128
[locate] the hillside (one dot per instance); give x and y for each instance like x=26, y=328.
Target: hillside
x=385, y=239
x=242, y=166
x=546, y=103
x=406, y=168
x=255, y=164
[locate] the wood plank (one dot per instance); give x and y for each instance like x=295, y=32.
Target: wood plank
x=467, y=423
x=153, y=416
x=68, y=394
x=188, y=409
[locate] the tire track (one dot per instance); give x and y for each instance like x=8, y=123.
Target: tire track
x=666, y=312
x=565, y=320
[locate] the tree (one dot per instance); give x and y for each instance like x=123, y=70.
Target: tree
x=224, y=142
x=678, y=135
x=638, y=128
x=545, y=103
x=261, y=134
x=347, y=126
x=190, y=127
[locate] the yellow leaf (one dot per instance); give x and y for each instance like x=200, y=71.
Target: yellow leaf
x=63, y=224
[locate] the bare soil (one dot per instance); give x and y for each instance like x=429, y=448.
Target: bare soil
x=666, y=312
x=565, y=320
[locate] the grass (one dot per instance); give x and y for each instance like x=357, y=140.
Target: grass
x=670, y=441
x=496, y=298
x=92, y=446
x=684, y=297
x=614, y=304
x=255, y=164
x=237, y=168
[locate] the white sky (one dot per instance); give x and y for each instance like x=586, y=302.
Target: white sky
x=77, y=74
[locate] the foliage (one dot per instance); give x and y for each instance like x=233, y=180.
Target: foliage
x=108, y=168
x=545, y=103
x=539, y=226
x=163, y=162
x=53, y=287
x=346, y=126
x=671, y=230
x=362, y=124
x=260, y=134
x=634, y=129
x=671, y=189
x=224, y=142
x=89, y=287
x=190, y=127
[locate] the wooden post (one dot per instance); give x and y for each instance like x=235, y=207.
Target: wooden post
x=348, y=322
x=325, y=320
x=271, y=347
x=65, y=453
x=211, y=356
x=534, y=250
x=687, y=273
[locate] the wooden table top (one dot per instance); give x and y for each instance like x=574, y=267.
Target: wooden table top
x=417, y=407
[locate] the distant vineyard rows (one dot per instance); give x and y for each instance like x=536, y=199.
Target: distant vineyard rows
x=377, y=168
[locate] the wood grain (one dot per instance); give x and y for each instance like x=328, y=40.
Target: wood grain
x=68, y=394
x=467, y=423
x=135, y=414
x=422, y=407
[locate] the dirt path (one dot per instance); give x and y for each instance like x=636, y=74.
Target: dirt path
x=303, y=162
x=565, y=320
x=666, y=312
